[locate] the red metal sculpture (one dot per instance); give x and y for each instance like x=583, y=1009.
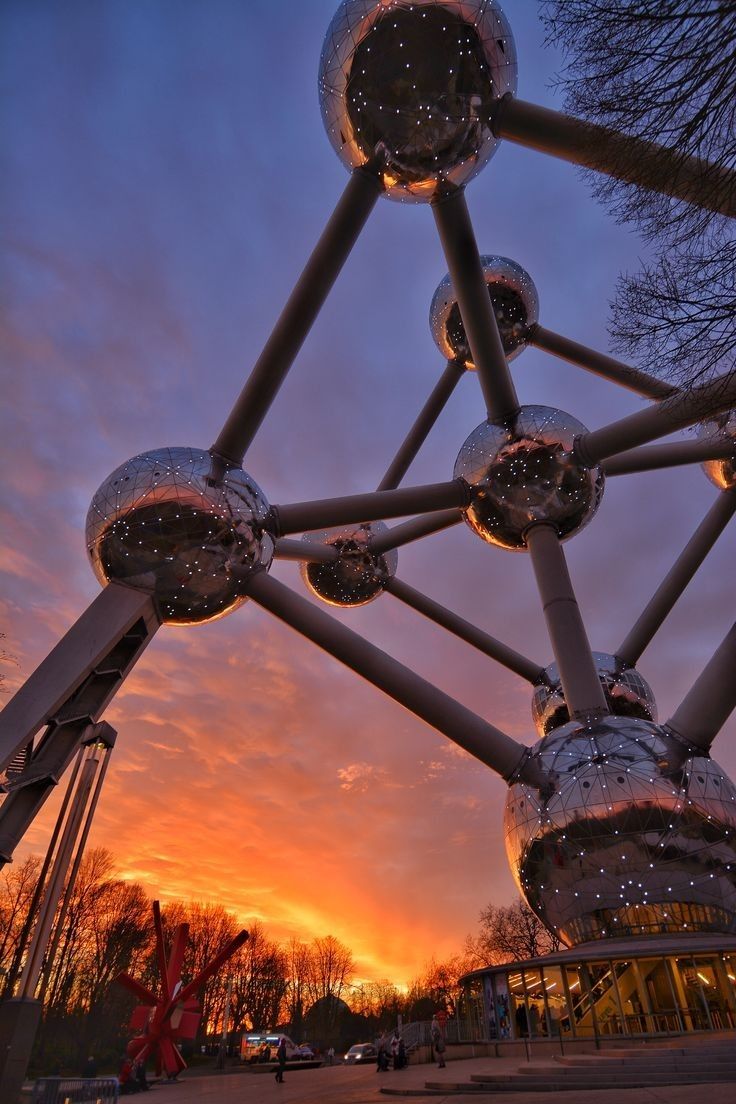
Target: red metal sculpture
x=172, y=1013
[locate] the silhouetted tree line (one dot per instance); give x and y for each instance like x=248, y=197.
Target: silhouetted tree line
x=308, y=989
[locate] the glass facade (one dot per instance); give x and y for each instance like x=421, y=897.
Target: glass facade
x=638, y=994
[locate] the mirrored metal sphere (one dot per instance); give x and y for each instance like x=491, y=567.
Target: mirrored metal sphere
x=180, y=522
x=358, y=575
x=627, y=694
x=722, y=472
x=515, y=304
x=637, y=837
x=524, y=472
x=414, y=83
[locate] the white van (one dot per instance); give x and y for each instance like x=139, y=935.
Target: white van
x=262, y=1046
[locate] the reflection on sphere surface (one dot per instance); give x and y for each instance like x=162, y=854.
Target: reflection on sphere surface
x=638, y=835
x=627, y=694
x=524, y=472
x=358, y=575
x=722, y=472
x=179, y=522
x=515, y=304
x=414, y=83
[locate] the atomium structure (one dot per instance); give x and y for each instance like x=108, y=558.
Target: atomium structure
x=616, y=823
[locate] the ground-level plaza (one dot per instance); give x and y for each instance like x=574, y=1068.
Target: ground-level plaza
x=647, y=986
x=352, y=1085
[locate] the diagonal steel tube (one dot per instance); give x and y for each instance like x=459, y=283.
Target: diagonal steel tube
x=373, y=506
x=482, y=740
x=428, y=415
x=669, y=455
x=463, y=629
x=711, y=700
x=635, y=160
x=93, y=637
x=413, y=530
x=674, y=583
x=305, y=551
x=299, y=314
x=580, y=683
x=680, y=410
x=476, y=310
x=67, y=692
x=598, y=363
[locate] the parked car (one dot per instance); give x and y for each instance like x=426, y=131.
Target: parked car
x=304, y=1050
x=361, y=1052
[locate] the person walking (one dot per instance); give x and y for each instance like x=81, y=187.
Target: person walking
x=281, y=1059
x=438, y=1042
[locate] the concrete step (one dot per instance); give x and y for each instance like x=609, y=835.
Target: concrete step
x=513, y=1083
x=623, y=1075
x=679, y=1061
x=585, y=1080
x=647, y=1048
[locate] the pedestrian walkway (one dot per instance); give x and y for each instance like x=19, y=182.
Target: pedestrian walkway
x=355, y=1085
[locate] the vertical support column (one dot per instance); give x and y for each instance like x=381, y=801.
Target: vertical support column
x=642, y=992
x=19, y=1016
x=580, y=683
x=675, y=1002
x=476, y=310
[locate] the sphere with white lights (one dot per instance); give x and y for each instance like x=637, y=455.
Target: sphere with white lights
x=358, y=575
x=627, y=694
x=184, y=524
x=412, y=85
x=638, y=835
x=515, y=305
x=524, y=472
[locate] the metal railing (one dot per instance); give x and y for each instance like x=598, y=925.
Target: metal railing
x=76, y=1090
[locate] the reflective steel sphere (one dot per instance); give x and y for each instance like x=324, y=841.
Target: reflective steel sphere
x=358, y=575
x=627, y=694
x=637, y=836
x=515, y=303
x=722, y=472
x=179, y=521
x=414, y=83
x=524, y=472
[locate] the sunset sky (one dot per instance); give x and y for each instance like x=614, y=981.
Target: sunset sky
x=164, y=176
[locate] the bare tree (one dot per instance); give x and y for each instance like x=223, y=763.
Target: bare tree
x=331, y=968
x=297, y=967
x=17, y=884
x=259, y=974
x=329, y=973
x=211, y=927
x=663, y=70
x=509, y=933
x=438, y=986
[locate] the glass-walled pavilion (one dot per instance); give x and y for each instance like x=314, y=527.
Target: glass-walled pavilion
x=629, y=987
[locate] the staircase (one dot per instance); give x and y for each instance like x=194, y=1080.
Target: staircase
x=645, y=1066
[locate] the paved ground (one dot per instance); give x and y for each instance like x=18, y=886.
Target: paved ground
x=355, y=1085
